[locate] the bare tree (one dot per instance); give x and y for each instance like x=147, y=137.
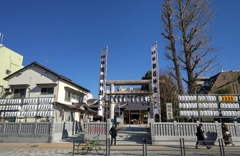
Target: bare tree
x=191, y=29
x=171, y=52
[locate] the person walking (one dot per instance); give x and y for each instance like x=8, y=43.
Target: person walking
x=113, y=133
x=227, y=137
x=200, y=137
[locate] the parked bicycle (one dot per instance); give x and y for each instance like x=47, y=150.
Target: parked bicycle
x=91, y=144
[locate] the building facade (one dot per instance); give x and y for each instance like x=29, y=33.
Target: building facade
x=229, y=80
x=37, y=93
x=10, y=61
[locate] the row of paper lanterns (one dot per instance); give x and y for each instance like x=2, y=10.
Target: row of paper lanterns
x=209, y=113
x=207, y=98
x=27, y=107
x=188, y=113
x=208, y=105
x=27, y=114
x=196, y=98
x=15, y=107
x=229, y=105
x=34, y=107
x=132, y=99
x=30, y=101
x=230, y=113
x=196, y=113
x=228, y=98
x=3, y=101
x=197, y=105
x=10, y=101
x=39, y=113
x=38, y=100
x=10, y=114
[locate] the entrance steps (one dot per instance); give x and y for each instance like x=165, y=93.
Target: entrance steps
x=133, y=135
x=126, y=135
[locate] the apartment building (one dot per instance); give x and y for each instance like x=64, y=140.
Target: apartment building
x=10, y=61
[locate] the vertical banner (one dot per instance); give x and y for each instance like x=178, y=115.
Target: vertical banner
x=155, y=80
x=102, y=80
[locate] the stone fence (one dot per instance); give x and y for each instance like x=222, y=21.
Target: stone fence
x=94, y=129
x=37, y=132
x=14, y=132
x=174, y=131
x=62, y=130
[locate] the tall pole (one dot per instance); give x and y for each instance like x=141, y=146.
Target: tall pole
x=129, y=117
x=119, y=109
x=111, y=105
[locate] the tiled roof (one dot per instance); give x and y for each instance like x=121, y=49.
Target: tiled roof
x=47, y=69
x=133, y=106
x=92, y=101
x=136, y=106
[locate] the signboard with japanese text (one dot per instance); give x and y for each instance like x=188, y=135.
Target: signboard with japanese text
x=102, y=81
x=169, y=111
x=155, y=79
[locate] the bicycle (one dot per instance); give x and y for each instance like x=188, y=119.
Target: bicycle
x=89, y=145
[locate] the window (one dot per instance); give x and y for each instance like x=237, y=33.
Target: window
x=70, y=95
x=19, y=92
x=224, y=77
x=8, y=72
x=47, y=91
x=67, y=96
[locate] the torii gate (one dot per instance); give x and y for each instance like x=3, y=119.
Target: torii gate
x=155, y=109
x=113, y=83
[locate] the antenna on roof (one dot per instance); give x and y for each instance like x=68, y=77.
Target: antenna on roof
x=1, y=37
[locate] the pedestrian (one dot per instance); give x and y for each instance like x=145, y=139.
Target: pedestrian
x=113, y=133
x=227, y=137
x=200, y=137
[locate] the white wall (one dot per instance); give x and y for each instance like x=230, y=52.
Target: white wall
x=61, y=93
x=33, y=76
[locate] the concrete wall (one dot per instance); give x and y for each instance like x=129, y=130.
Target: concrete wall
x=24, y=138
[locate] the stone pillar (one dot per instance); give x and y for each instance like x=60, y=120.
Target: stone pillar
x=111, y=105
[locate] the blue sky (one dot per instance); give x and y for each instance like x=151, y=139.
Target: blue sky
x=70, y=35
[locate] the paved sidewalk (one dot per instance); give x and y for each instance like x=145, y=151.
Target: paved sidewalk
x=62, y=149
